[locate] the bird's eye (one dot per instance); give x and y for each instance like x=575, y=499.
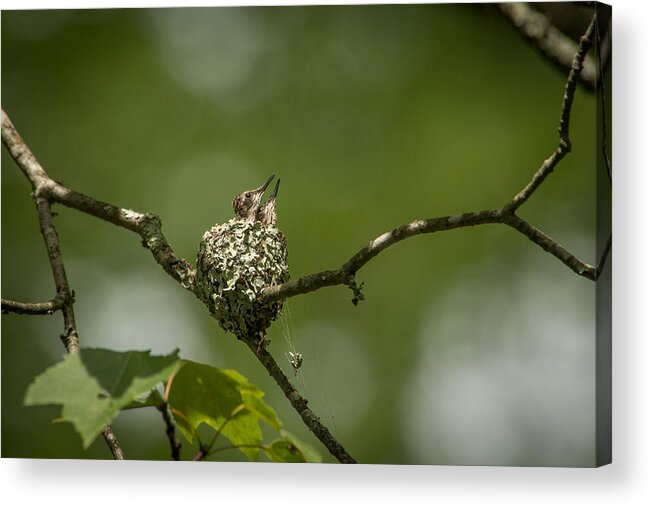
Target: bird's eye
x=248, y=195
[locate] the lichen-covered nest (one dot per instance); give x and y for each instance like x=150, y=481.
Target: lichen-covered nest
x=236, y=261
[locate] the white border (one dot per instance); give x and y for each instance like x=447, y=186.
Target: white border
x=626, y=482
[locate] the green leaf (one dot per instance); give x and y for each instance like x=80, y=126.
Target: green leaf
x=152, y=399
x=222, y=399
x=94, y=384
x=289, y=449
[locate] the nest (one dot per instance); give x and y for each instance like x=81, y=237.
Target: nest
x=236, y=261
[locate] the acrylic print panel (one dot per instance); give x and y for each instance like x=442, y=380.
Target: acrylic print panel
x=401, y=214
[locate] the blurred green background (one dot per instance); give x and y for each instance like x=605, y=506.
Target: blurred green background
x=473, y=346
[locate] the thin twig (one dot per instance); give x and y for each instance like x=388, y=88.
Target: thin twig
x=170, y=431
x=47, y=308
x=505, y=215
x=604, y=255
x=549, y=40
x=602, y=92
x=300, y=404
x=549, y=245
x=341, y=276
x=36, y=175
x=51, y=238
x=205, y=450
x=70, y=338
x=112, y=442
x=147, y=225
x=200, y=454
x=564, y=143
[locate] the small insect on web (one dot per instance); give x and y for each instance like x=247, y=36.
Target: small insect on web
x=296, y=361
x=296, y=358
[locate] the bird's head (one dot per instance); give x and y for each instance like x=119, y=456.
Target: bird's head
x=267, y=212
x=247, y=204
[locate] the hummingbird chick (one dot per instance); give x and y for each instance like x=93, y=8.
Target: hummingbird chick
x=267, y=212
x=247, y=204
x=238, y=260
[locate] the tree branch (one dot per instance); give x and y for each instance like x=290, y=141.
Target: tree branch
x=564, y=143
x=602, y=92
x=341, y=276
x=604, y=255
x=51, y=238
x=549, y=40
x=47, y=308
x=147, y=225
x=300, y=404
x=170, y=431
x=549, y=245
x=505, y=215
x=37, y=176
x=206, y=449
x=112, y=442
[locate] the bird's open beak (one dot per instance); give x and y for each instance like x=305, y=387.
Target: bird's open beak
x=275, y=192
x=266, y=183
